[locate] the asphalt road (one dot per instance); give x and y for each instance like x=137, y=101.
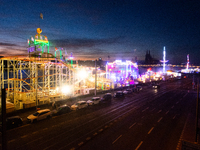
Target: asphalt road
x=151, y=119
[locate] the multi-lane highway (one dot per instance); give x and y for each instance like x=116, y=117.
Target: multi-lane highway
x=152, y=119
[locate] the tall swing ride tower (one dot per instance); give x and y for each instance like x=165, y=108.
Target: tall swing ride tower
x=164, y=60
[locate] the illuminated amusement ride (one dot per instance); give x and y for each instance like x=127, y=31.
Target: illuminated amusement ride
x=42, y=77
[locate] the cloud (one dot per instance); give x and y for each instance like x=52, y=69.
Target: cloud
x=77, y=43
x=10, y=49
x=7, y=44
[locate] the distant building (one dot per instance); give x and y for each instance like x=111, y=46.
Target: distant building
x=91, y=63
x=149, y=59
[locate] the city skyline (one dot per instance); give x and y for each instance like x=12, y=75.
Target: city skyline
x=92, y=29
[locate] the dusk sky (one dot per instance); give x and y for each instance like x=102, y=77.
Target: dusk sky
x=121, y=29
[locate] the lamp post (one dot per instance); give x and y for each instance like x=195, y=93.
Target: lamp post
x=3, y=119
x=95, y=92
x=197, y=111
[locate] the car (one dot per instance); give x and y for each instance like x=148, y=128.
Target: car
x=39, y=115
x=62, y=109
x=134, y=89
x=155, y=86
x=13, y=122
x=125, y=92
x=139, y=87
x=129, y=91
x=79, y=105
x=106, y=98
x=119, y=94
x=94, y=100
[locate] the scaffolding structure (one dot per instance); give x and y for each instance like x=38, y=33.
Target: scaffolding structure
x=42, y=76
x=30, y=80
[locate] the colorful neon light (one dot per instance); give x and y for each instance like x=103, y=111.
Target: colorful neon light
x=122, y=72
x=188, y=61
x=39, y=40
x=58, y=49
x=164, y=60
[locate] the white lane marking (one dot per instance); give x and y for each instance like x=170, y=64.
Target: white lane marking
x=167, y=112
x=177, y=102
x=11, y=141
x=113, y=110
x=100, y=130
x=35, y=132
x=160, y=119
x=132, y=125
x=159, y=111
x=174, y=117
x=81, y=143
x=24, y=136
x=153, y=109
x=88, y=138
x=116, y=139
x=150, y=130
x=172, y=106
x=139, y=145
x=145, y=109
x=134, y=107
x=95, y=134
x=185, y=95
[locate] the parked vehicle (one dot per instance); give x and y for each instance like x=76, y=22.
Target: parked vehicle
x=62, y=109
x=94, y=100
x=106, y=98
x=134, y=89
x=79, y=105
x=139, y=88
x=129, y=91
x=13, y=122
x=119, y=94
x=39, y=115
x=155, y=86
x=125, y=92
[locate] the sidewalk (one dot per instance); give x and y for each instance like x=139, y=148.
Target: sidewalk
x=188, y=136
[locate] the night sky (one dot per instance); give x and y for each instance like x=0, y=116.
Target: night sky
x=121, y=29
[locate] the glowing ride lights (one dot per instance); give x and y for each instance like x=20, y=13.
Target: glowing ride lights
x=58, y=50
x=187, y=70
x=71, y=58
x=82, y=74
x=122, y=72
x=38, y=42
x=66, y=89
x=164, y=61
x=188, y=61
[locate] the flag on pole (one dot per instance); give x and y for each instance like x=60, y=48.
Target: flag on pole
x=41, y=15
